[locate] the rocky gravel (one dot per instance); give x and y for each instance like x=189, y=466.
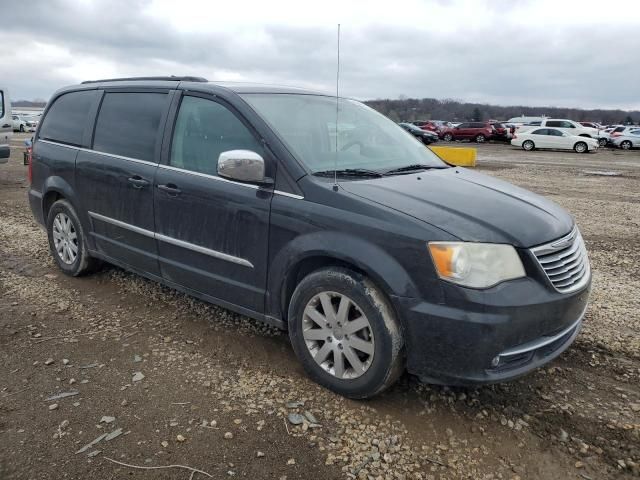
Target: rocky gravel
x=113, y=375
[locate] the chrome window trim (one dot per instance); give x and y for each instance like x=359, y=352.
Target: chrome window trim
x=287, y=194
x=173, y=241
x=89, y=150
x=169, y=167
x=206, y=175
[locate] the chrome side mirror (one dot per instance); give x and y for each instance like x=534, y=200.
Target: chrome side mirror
x=241, y=165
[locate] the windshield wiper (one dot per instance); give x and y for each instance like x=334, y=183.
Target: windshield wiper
x=411, y=168
x=349, y=172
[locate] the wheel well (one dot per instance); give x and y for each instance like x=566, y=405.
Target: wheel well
x=49, y=199
x=304, y=268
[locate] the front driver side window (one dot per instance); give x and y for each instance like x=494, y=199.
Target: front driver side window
x=204, y=129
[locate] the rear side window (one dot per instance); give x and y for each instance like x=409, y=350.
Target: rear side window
x=541, y=131
x=204, y=129
x=554, y=123
x=128, y=124
x=67, y=118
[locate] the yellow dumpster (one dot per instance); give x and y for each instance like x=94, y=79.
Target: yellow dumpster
x=461, y=156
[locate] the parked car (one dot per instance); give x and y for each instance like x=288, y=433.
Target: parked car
x=5, y=125
x=621, y=130
x=554, y=138
x=519, y=121
x=629, y=140
x=432, y=125
x=425, y=136
x=373, y=253
x=502, y=131
x=23, y=124
x=478, y=132
x=567, y=126
x=595, y=125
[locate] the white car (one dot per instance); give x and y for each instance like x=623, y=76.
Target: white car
x=554, y=138
x=629, y=140
x=568, y=126
x=23, y=124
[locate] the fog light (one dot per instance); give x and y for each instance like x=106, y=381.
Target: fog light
x=496, y=361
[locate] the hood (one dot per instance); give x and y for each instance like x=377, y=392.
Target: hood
x=469, y=205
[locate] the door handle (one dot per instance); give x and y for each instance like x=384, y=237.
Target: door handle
x=138, y=182
x=170, y=188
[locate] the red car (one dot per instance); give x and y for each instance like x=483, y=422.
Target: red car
x=475, y=131
x=432, y=125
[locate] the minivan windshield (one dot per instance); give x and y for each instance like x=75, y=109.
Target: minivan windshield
x=366, y=140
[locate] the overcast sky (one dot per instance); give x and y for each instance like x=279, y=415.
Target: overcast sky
x=543, y=52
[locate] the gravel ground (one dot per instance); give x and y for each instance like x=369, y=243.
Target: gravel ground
x=179, y=382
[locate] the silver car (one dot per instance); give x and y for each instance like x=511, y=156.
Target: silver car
x=630, y=139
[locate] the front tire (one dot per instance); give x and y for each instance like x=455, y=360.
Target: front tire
x=67, y=240
x=481, y=139
x=447, y=137
x=626, y=145
x=581, y=147
x=345, y=333
x=528, y=145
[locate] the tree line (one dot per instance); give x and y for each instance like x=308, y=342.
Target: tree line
x=412, y=109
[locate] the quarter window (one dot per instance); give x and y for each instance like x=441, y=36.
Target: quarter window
x=67, y=118
x=204, y=129
x=541, y=131
x=128, y=124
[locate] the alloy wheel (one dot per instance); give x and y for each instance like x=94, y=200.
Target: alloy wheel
x=626, y=145
x=65, y=238
x=338, y=335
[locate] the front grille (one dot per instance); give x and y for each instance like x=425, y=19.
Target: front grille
x=565, y=262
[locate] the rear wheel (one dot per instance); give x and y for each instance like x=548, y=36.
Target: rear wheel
x=626, y=145
x=447, y=137
x=345, y=334
x=67, y=241
x=581, y=147
x=480, y=139
x=528, y=145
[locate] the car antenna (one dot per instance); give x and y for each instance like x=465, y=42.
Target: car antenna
x=335, y=164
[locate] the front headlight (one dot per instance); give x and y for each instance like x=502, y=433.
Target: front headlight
x=476, y=265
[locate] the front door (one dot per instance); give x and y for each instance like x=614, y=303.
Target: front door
x=115, y=178
x=212, y=233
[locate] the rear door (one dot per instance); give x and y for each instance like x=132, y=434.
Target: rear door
x=115, y=178
x=212, y=233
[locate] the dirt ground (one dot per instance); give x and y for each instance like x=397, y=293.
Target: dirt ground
x=178, y=382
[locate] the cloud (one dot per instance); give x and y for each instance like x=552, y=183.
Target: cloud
x=527, y=52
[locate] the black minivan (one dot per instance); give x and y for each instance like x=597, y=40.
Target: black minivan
x=314, y=214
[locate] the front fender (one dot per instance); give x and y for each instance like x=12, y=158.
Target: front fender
x=366, y=256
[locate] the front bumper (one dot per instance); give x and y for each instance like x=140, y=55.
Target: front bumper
x=492, y=335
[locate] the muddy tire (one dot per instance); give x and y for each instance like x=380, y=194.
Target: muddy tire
x=67, y=240
x=345, y=333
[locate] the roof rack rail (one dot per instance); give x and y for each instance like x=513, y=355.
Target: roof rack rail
x=170, y=78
